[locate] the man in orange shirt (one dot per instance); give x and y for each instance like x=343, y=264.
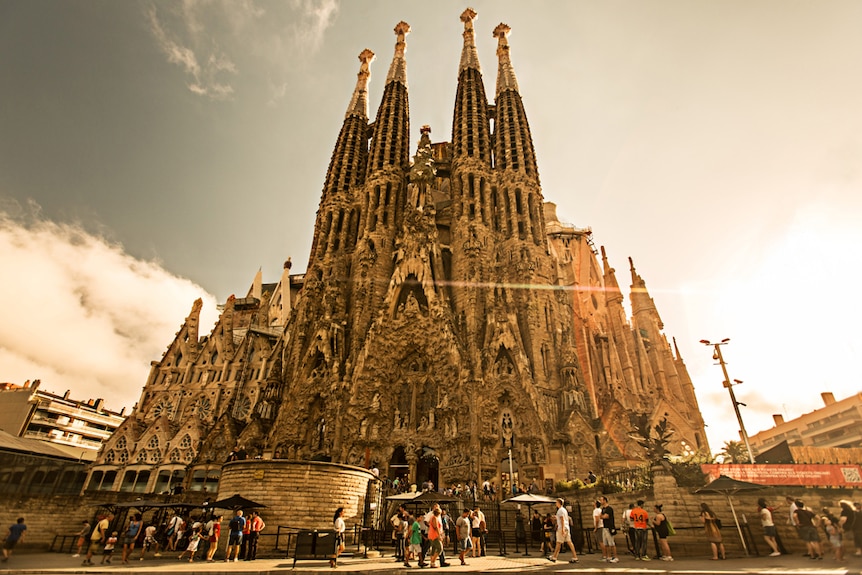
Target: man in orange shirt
x=640, y=518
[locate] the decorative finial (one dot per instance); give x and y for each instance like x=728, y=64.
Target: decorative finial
x=505, y=73
x=288, y=264
x=398, y=69
x=359, y=102
x=469, y=57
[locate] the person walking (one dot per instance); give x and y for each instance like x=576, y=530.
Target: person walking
x=713, y=534
x=462, y=534
x=435, y=537
x=340, y=527
x=564, y=534
x=98, y=537
x=662, y=530
x=805, y=520
x=14, y=535
x=768, y=523
x=82, y=537
x=130, y=536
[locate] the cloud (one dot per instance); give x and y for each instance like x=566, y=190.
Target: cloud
x=207, y=78
x=213, y=40
x=83, y=315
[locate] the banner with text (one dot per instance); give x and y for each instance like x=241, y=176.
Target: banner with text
x=788, y=474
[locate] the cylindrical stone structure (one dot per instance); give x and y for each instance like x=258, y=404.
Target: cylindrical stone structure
x=298, y=494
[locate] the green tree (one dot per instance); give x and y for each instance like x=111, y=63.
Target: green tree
x=734, y=452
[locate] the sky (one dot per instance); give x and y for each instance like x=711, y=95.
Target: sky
x=153, y=152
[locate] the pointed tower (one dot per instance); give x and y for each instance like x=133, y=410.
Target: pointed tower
x=384, y=193
x=337, y=218
x=471, y=192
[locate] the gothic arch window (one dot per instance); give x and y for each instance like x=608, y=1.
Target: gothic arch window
x=153, y=443
x=156, y=456
x=175, y=456
x=185, y=442
x=121, y=443
x=142, y=457
x=123, y=457
x=110, y=456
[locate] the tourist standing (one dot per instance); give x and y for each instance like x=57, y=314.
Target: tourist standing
x=640, y=519
x=483, y=528
x=257, y=526
x=713, y=534
x=536, y=528
x=462, y=533
x=768, y=523
x=215, y=534
x=564, y=534
x=598, y=526
x=14, y=535
x=609, y=529
x=340, y=527
x=662, y=529
x=234, y=540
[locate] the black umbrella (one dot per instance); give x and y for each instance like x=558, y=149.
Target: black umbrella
x=236, y=501
x=729, y=486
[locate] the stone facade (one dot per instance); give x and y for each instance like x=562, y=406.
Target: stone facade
x=447, y=322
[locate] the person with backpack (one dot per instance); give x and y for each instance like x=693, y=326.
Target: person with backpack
x=235, y=529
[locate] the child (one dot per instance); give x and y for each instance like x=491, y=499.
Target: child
x=834, y=534
x=109, y=548
x=194, y=539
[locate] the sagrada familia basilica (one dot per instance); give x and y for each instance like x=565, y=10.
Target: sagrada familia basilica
x=445, y=322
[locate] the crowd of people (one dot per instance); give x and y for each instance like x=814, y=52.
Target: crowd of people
x=195, y=538
x=422, y=537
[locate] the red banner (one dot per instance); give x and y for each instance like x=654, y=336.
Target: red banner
x=788, y=474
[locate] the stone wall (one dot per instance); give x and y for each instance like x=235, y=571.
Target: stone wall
x=297, y=494
x=682, y=507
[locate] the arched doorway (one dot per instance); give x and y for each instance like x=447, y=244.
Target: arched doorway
x=398, y=466
x=427, y=467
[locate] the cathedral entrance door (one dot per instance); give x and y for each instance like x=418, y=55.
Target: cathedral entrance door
x=428, y=467
x=398, y=466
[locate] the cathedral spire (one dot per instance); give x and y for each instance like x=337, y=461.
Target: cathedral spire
x=390, y=145
x=642, y=303
x=612, y=287
x=398, y=68
x=506, y=79
x=359, y=102
x=513, y=145
x=469, y=57
x=347, y=164
x=471, y=128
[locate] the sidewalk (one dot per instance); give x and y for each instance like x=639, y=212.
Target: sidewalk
x=37, y=563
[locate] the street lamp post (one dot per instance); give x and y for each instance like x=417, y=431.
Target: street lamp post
x=729, y=385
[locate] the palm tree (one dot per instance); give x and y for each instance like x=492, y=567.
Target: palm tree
x=734, y=452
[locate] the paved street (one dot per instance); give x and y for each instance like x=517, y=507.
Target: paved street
x=791, y=564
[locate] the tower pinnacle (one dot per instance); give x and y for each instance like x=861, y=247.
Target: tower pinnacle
x=359, y=102
x=398, y=68
x=469, y=57
x=506, y=79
